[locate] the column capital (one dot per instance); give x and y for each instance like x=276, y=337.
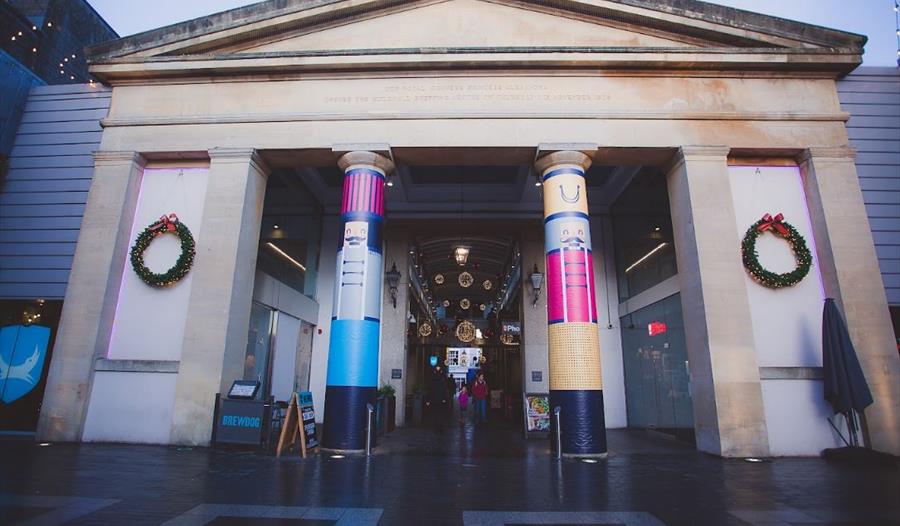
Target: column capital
x=365, y=157
x=696, y=153
x=239, y=155
x=835, y=153
x=108, y=158
x=563, y=157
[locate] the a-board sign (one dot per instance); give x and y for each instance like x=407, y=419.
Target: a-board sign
x=299, y=424
x=308, y=419
x=537, y=414
x=241, y=421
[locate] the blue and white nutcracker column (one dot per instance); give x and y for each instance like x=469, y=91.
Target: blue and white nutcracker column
x=576, y=384
x=352, y=378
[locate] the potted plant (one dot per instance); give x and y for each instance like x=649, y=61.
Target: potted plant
x=388, y=392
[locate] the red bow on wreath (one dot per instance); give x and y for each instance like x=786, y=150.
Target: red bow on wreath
x=168, y=222
x=776, y=222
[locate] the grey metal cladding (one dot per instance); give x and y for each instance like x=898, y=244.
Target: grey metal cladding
x=872, y=96
x=43, y=195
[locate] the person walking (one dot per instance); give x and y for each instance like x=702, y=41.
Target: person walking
x=480, y=392
x=463, y=398
x=437, y=398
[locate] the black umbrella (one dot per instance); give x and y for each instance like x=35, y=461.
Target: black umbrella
x=845, y=385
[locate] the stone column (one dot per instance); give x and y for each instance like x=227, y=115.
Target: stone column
x=850, y=275
x=218, y=314
x=92, y=294
x=352, y=378
x=576, y=384
x=729, y=419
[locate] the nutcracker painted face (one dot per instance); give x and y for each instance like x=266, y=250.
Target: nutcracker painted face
x=356, y=233
x=571, y=235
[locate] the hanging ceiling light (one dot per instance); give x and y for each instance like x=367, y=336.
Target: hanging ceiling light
x=461, y=255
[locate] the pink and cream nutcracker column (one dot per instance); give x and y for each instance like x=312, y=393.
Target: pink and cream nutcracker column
x=352, y=377
x=576, y=385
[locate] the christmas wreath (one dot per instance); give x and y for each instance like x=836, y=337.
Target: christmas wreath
x=166, y=224
x=784, y=230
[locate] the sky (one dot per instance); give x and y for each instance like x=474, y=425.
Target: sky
x=873, y=18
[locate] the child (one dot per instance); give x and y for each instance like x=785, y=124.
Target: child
x=463, y=403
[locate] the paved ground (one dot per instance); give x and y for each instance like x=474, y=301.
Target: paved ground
x=488, y=476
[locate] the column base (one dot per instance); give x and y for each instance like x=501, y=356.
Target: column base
x=582, y=422
x=346, y=417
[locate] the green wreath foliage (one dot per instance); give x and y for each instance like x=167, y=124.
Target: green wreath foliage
x=185, y=259
x=795, y=240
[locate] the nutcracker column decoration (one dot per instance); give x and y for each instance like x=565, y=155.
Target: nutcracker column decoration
x=352, y=377
x=576, y=385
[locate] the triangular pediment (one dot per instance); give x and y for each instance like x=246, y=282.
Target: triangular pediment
x=304, y=35
x=470, y=23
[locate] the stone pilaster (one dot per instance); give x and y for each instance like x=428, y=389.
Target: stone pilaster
x=576, y=382
x=850, y=275
x=218, y=314
x=394, y=319
x=352, y=378
x=92, y=293
x=729, y=417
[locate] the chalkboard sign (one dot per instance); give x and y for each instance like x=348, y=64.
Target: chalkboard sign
x=537, y=414
x=299, y=423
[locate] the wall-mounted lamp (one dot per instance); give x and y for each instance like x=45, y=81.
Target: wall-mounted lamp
x=393, y=280
x=537, y=279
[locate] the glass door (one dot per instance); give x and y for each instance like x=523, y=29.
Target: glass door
x=259, y=341
x=657, y=383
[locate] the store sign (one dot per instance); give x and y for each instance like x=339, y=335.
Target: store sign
x=240, y=421
x=22, y=352
x=656, y=328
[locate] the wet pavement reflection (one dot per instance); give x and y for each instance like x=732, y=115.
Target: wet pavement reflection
x=484, y=475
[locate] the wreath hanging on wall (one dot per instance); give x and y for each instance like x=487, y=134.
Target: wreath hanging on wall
x=786, y=231
x=165, y=225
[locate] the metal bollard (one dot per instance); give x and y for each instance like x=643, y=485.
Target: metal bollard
x=556, y=411
x=371, y=411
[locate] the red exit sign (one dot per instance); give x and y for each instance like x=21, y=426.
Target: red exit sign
x=655, y=328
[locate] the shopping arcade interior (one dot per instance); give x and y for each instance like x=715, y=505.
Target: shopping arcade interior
x=485, y=201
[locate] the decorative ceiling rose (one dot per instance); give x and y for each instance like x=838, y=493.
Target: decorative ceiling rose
x=465, y=331
x=482, y=307
x=446, y=303
x=487, y=284
x=465, y=303
x=439, y=279
x=425, y=329
x=465, y=280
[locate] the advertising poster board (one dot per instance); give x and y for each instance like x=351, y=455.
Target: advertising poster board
x=537, y=414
